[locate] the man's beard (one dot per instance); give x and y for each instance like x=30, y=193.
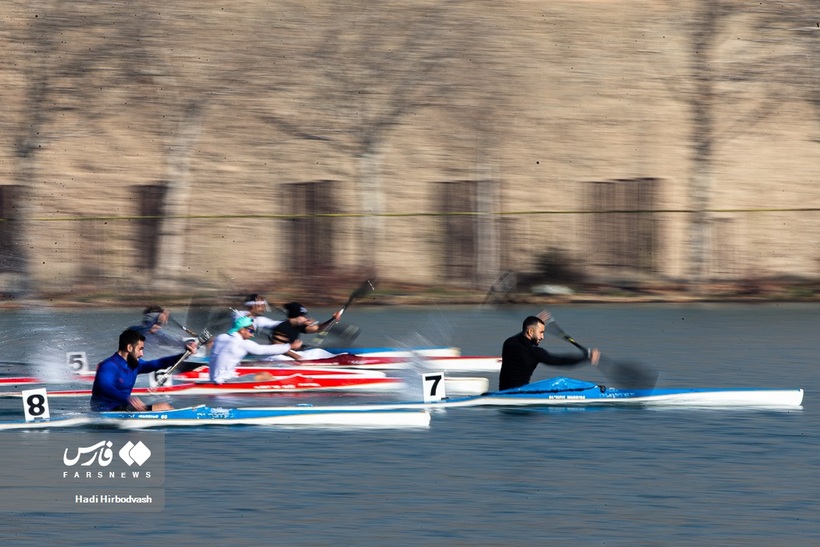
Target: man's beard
x=132, y=360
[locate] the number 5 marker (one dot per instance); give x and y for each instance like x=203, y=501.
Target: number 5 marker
x=77, y=362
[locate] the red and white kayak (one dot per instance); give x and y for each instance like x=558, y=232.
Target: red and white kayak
x=19, y=380
x=295, y=383
x=460, y=385
x=347, y=360
x=197, y=382
x=202, y=374
x=350, y=360
x=335, y=365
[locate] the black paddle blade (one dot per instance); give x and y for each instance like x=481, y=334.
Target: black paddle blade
x=364, y=289
x=552, y=327
x=628, y=374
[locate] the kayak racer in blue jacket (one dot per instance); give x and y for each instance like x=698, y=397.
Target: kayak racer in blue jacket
x=116, y=376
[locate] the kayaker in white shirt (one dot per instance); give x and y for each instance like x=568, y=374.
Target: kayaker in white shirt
x=255, y=307
x=231, y=347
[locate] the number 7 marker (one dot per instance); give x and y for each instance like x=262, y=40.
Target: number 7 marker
x=433, y=383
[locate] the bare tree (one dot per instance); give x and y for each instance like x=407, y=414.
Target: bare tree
x=792, y=30
x=717, y=80
x=76, y=53
x=69, y=49
x=708, y=18
x=367, y=67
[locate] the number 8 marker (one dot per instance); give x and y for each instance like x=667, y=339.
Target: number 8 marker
x=35, y=404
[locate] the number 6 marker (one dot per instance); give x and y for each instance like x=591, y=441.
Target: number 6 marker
x=35, y=404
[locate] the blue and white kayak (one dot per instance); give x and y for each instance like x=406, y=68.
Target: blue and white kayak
x=318, y=416
x=562, y=391
x=559, y=391
x=352, y=416
x=387, y=351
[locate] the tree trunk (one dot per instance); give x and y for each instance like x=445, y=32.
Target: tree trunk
x=25, y=219
x=488, y=259
x=371, y=200
x=702, y=104
x=175, y=209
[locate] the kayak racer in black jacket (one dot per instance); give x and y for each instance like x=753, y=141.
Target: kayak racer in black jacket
x=521, y=354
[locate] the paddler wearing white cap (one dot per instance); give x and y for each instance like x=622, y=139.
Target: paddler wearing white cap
x=255, y=307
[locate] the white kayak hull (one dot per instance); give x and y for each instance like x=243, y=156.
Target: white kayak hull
x=728, y=398
x=202, y=416
x=569, y=392
x=423, y=351
x=554, y=392
x=465, y=385
x=53, y=423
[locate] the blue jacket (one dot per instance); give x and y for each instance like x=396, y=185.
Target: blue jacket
x=115, y=380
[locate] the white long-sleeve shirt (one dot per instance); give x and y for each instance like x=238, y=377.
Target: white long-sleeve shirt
x=259, y=321
x=229, y=349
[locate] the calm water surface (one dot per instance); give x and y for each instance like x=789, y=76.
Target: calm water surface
x=486, y=476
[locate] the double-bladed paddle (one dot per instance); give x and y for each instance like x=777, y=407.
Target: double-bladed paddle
x=628, y=374
x=362, y=290
x=180, y=325
x=162, y=376
x=350, y=332
x=345, y=333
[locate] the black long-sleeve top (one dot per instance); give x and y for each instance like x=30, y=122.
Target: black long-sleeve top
x=520, y=356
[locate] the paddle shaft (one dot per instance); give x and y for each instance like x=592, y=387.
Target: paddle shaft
x=202, y=339
x=183, y=327
x=623, y=373
x=572, y=341
x=162, y=378
x=363, y=289
x=553, y=327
